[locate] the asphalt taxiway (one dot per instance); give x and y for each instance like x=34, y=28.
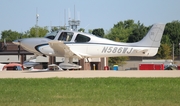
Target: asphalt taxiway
x=88, y=74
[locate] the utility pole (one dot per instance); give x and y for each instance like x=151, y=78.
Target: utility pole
x=173, y=53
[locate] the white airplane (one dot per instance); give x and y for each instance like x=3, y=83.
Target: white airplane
x=72, y=44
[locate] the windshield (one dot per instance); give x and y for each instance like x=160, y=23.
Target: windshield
x=51, y=35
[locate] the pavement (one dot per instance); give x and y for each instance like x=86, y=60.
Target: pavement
x=88, y=74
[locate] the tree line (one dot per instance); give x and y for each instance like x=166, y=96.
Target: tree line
x=123, y=31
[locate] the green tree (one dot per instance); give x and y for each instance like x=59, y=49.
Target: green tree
x=138, y=33
x=81, y=30
x=63, y=28
x=38, y=32
x=54, y=29
x=166, y=40
x=90, y=31
x=172, y=30
x=99, y=32
x=165, y=48
x=10, y=35
x=164, y=52
x=121, y=30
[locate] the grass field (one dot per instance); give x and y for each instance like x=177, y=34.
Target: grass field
x=90, y=92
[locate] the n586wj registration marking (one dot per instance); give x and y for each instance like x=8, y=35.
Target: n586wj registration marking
x=124, y=50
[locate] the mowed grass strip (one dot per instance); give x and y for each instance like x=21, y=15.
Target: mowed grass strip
x=90, y=92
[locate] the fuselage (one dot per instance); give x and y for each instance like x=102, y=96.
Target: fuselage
x=85, y=44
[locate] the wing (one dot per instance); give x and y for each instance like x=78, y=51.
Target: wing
x=60, y=48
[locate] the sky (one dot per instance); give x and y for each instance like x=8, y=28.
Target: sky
x=20, y=15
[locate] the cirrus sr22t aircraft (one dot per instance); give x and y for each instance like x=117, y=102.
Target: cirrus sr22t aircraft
x=72, y=44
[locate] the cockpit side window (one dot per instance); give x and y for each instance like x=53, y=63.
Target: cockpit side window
x=82, y=38
x=66, y=36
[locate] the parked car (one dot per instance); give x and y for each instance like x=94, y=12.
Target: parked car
x=13, y=66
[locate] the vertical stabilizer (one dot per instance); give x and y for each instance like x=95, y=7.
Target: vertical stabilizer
x=153, y=37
